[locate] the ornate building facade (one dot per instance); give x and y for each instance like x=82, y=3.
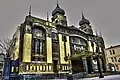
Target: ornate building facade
x=54, y=47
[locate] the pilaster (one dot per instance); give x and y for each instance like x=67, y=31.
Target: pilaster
x=62, y=48
x=27, y=47
x=85, y=66
x=49, y=49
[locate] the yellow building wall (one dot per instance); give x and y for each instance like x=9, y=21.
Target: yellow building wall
x=49, y=49
x=90, y=47
x=61, y=46
x=68, y=46
x=27, y=47
x=16, y=49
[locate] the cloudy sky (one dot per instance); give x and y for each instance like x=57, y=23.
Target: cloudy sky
x=104, y=15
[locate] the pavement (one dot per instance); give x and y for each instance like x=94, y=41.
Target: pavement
x=110, y=77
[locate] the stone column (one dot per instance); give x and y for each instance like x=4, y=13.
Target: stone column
x=85, y=67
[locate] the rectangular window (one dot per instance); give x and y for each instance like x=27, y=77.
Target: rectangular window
x=33, y=45
x=55, y=47
x=115, y=59
x=41, y=47
x=112, y=59
x=113, y=51
x=12, y=69
x=117, y=67
x=110, y=52
x=38, y=46
x=119, y=60
x=54, y=36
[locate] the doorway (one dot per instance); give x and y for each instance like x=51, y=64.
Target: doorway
x=55, y=69
x=77, y=66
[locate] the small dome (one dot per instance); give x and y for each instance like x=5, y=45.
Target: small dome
x=58, y=10
x=83, y=21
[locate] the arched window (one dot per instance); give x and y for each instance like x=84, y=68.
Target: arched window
x=77, y=44
x=38, y=44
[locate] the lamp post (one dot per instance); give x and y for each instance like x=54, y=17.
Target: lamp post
x=97, y=57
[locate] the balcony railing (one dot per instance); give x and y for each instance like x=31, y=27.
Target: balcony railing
x=35, y=67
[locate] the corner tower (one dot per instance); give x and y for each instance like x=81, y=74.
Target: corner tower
x=58, y=16
x=85, y=25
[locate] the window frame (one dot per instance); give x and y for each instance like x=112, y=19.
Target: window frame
x=36, y=44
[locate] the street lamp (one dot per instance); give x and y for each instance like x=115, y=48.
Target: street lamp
x=97, y=56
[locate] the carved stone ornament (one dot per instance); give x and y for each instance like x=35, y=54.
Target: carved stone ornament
x=48, y=31
x=27, y=29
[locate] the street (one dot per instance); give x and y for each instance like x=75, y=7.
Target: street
x=111, y=77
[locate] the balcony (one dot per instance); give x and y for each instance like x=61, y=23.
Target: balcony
x=35, y=68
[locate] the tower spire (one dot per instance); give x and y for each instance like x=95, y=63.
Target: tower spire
x=83, y=16
x=30, y=10
x=47, y=16
x=57, y=1
x=100, y=33
x=57, y=4
x=96, y=33
x=47, y=19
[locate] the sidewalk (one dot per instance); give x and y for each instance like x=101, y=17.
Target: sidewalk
x=110, y=77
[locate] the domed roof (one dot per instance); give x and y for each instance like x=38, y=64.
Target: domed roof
x=58, y=10
x=83, y=21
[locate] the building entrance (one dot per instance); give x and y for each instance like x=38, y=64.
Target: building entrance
x=77, y=66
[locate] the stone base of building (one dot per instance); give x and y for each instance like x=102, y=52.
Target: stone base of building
x=46, y=76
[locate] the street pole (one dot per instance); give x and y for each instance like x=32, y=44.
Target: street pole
x=99, y=68
x=98, y=56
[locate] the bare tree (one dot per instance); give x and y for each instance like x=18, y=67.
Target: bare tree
x=7, y=46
